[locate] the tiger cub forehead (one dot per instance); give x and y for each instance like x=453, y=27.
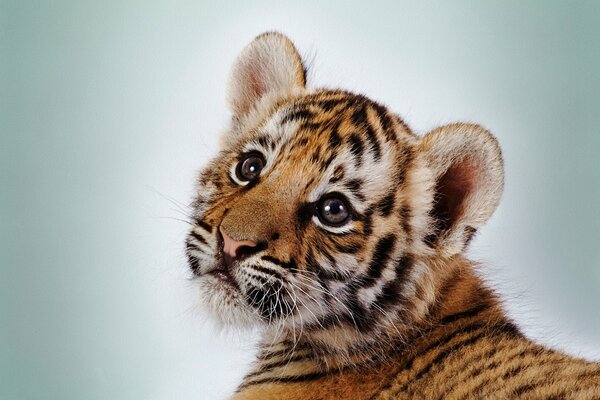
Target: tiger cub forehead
x=329, y=140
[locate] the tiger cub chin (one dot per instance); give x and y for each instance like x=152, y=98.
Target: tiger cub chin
x=326, y=221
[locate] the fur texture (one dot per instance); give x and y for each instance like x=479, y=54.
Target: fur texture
x=383, y=305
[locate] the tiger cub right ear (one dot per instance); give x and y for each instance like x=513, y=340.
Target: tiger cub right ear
x=468, y=179
x=269, y=65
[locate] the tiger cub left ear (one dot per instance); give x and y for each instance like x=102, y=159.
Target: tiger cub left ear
x=468, y=180
x=269, y=65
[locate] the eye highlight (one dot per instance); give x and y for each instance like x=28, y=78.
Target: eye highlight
x=333, y=210
x=250, y=166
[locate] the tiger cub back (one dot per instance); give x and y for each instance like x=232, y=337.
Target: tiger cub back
x=327, y=222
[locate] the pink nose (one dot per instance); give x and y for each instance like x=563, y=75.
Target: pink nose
x=232, y=248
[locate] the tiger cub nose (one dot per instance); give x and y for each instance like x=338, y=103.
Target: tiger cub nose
x=236, y=249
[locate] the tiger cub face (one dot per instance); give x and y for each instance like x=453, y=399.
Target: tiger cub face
x=322, y=207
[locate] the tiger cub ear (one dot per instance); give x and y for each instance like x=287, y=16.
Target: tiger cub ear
x=468, y=179
x=269, y=65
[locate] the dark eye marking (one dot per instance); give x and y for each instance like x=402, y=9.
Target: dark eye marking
x=354, y=186
x=264, y=141
x=338, y=174
x=305, y=213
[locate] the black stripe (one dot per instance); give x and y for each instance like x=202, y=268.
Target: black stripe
x=267, y=355
x=438, y=345
x=270, y=366
x=391, y=291
x=288, y=379
x=354, y=186
x=325, y=164
x=193, y=262
x=328, y=105
x=359, y=116
x=527, y=387
x=338, y=174
x=325, y=252
x=191, y=246
x=358, y=317
x=368, y=222
x=290, y=265
x=405, y=215
x=356, y=148
x=385, y=120
x=203, y=224
x=298, y=114
x=267, y=271
x=348, y=248
x=198, y=237
x=331, y=275
x=480, y=359
x=448, y=352
x=372, y=137
x=386, y=205
x=264, y=141
x=310, y=126
x=334, y=138
x=513, y=371
x=380, y=257
x=494, y=365
x=315, y=158
x=484, y=305
x=311, y=262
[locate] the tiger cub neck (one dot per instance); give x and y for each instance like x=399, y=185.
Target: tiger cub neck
x=458, y=297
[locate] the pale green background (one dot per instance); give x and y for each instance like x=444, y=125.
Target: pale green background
x=107, y=108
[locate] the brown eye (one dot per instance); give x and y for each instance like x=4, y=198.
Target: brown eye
x=250, y=166
x=333, y=211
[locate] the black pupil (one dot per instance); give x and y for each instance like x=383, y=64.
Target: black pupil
x=251, y=167
x=334, y=211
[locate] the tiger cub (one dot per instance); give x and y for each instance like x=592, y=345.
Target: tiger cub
x=326, y=221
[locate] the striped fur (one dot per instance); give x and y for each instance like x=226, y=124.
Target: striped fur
x=385, y=305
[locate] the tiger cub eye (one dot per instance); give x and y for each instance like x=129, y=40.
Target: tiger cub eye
x=333, y=211
x=250, y=167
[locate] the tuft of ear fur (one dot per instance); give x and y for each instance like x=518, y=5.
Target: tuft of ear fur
x=269, y=65
x=468, y=180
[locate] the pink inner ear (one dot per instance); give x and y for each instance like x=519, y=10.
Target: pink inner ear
x=452, y=188
x=256, y=84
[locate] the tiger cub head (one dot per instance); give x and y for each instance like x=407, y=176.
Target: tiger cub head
x=322, y=209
